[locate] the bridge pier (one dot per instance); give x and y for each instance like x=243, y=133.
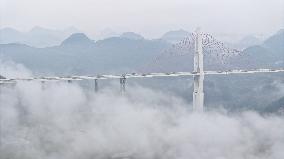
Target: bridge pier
x=122, y=84
x=96, y=85
x=42, y=85
x=1, y=84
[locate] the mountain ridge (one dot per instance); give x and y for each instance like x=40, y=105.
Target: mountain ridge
x=37, y=37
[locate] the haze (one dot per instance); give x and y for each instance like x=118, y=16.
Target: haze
x=150, y=18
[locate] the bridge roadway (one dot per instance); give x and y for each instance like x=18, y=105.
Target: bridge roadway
x=135, y=75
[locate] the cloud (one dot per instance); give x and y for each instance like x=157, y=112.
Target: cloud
x=9, y=69
x=66, y=121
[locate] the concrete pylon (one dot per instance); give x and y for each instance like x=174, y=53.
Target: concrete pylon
x=96, y=85
x=122, y=84
x=198, y=94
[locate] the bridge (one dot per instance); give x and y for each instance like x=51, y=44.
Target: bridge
x=198, y=41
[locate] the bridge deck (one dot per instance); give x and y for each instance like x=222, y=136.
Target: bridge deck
x=135, y=75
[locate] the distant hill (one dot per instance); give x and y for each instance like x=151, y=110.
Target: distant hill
x=269, y=54
x=175, y=36
x=77, y=39
x=107, y=33
x=10, y=35
x=276, y=42
x=36, y=37
x=132, y=36
x=79, y=54
x=248, y=41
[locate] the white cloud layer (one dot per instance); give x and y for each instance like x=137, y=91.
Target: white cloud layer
x=64, y=121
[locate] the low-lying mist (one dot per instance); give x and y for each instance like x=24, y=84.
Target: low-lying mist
x=65, y=121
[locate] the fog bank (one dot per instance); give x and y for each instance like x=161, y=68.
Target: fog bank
x=62, y=120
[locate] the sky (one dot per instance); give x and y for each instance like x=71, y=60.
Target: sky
x=150, y=18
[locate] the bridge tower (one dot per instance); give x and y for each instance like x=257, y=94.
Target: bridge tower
x=198, y=94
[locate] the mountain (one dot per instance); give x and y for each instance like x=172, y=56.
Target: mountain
x=78, y=39
x=175, y=36
x=117, y=54
x=132, y=36
x=248, y=41
x=10, y=35
x=80, y=55
x=276, y=42
x=106, y=33
x=269, y=54
x=36, y=37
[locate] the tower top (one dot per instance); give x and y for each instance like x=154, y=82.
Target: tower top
x=198, y=29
